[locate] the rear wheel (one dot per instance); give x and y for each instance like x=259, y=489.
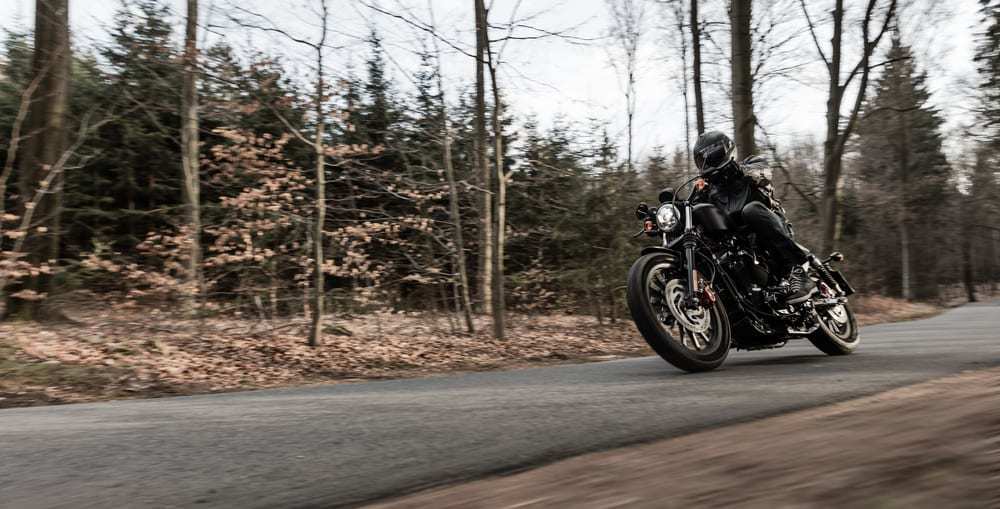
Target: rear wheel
x=838, y=330
x=693, y=340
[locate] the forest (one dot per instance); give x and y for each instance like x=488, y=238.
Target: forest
x=163, y=169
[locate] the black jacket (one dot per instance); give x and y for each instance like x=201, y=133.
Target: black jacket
x=745, y=182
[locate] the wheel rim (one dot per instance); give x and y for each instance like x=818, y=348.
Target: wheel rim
x=696, y=329
x=837, y=321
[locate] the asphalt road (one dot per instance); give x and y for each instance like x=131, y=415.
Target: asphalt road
x=337, y=445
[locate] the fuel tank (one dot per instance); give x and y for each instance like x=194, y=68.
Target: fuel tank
x=711, y=218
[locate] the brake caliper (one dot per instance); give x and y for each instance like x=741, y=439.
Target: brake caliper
x=707, y=295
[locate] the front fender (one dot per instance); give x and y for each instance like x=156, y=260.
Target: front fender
x=660, y=249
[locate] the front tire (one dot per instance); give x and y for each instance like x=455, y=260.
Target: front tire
x=838, y=330
x=701, y=346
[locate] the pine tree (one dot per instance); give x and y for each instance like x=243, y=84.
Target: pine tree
x=982, y=217
x=139, y=152
x=906, y=175
x=984, y=190
x=379, y=113
x=14, y=76
x=988, y=60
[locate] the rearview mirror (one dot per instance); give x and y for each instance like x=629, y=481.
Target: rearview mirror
x=642, y=211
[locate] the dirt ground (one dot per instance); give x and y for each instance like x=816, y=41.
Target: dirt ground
x=126, y=353
x=933, y=445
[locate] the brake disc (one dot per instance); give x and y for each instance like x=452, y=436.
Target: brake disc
x=697, y=320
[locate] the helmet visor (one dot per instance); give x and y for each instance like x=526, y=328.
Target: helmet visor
x=710, y=157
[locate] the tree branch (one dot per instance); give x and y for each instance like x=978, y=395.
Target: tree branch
x=812, y=32
x=869, y=47
x=417, y=25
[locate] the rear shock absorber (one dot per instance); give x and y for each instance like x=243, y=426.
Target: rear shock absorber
x=823, y=272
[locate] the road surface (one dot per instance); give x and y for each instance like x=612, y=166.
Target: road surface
x=337, y=445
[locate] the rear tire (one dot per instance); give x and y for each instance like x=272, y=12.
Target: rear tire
x=654, y=330
x=838, y=331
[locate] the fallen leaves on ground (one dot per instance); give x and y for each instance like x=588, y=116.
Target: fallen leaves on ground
x=191, y=355
x=872, y=309
x=142, y=352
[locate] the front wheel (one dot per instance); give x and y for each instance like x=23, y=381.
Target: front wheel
x=838, y=330
x=691, y=339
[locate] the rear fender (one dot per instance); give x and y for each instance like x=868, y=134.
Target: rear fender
x=842, y=282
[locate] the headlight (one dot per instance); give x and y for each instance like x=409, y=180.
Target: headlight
x=667, y=217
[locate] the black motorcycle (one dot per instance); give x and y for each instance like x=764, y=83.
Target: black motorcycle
x=709, y=287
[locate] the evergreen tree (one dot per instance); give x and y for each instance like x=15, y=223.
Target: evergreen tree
x=906, y=177
x=139, y=158
x=661, y=171
x=15, y=71
x=379, y=111
x=544, y=187
x=983, y=216
x=988, y=60
x=984, y=190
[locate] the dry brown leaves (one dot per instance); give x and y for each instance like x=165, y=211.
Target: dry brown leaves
x=226, y=354
x=161, y=353
x=877, y=309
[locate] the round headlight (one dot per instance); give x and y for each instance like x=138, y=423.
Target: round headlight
x=667, y=217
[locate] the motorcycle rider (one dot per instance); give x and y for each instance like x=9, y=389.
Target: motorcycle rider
x=742, y=190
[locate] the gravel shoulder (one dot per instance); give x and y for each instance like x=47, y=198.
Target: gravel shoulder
x=933, y=444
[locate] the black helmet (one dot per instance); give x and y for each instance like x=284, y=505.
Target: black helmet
x=712, y=151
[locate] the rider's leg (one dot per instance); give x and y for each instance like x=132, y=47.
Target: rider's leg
x=770, y=228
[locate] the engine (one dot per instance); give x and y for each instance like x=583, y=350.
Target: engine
x=750, y=273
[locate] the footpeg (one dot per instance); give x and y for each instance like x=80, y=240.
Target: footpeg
x=835, y=256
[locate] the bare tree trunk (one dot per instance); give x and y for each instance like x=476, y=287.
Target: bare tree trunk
x=499, y=215
x=904, y=215
x=45, y=145
x=456, y=219
x=307, y=288
x=630, y=113
x=272, y=296
x=598, y=309
x=442, y=307
x=742, y=85
x=479, y=144
x=189, y=149
x=992, y=264
x=319, y=291
x=679, y=13
x=832, y=160
x=904, y=254
x=699, y=105
x=499, y=304
x=837, y=133
x=612, y=307
x=627, y=31
x=462, y=286
x=967, y=272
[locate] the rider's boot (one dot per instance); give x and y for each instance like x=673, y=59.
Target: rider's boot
x=800, y=286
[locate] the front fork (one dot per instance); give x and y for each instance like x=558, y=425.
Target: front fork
x=690, y=243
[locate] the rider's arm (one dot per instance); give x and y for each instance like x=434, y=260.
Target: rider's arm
x=758, y=169
x=699, y=193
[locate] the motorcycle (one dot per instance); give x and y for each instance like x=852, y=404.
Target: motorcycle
x=708, y=287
